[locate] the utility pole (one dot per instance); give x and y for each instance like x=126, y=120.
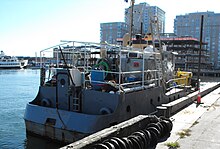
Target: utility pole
x=200, y=49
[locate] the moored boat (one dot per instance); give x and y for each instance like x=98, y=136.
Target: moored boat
x=9, y=62
x=100, y=85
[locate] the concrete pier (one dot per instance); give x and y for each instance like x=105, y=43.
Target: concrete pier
x=177, y=105
x=199, y=123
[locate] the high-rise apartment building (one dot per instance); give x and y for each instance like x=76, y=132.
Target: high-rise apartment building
x=189, y=25
x=109, y=32
x=142, y=14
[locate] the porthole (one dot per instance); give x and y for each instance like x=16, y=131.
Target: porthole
x=128, y=109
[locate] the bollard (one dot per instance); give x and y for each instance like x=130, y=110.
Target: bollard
x=199, y=98
x=199, y=94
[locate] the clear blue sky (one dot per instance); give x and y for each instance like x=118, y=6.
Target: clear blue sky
x=28, y=26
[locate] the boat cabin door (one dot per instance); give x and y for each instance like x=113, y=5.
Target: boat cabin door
x=62, y=97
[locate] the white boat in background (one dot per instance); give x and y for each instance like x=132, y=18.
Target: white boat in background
x=9, y=62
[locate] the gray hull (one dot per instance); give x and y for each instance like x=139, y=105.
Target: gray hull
x=69, y=126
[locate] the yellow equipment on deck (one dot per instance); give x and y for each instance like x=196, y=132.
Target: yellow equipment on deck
x=183, y=78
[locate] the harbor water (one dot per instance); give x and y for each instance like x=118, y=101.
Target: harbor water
x=17, y=88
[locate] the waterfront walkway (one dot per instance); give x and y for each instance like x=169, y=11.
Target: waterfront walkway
x=197, y=126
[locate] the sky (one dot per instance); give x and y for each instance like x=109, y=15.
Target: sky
x=29, y=26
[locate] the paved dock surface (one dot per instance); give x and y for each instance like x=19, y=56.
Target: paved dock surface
x=197, y=126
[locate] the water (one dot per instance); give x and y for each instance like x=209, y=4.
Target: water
x=17, y=88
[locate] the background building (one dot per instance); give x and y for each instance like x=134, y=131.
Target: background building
x=189, y=25
x=109, y=32
x=188, y=53
x=142, y=14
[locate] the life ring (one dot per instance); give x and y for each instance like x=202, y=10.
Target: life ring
x=104, y=63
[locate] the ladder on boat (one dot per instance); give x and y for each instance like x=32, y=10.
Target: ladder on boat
x=75, y=96
x=159, y=64
x=154, y=27
x=76, y=104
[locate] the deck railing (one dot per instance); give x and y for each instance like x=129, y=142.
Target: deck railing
x=82, y=52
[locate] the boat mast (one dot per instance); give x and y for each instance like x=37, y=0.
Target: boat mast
x=131, y=20
x=35, y=58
